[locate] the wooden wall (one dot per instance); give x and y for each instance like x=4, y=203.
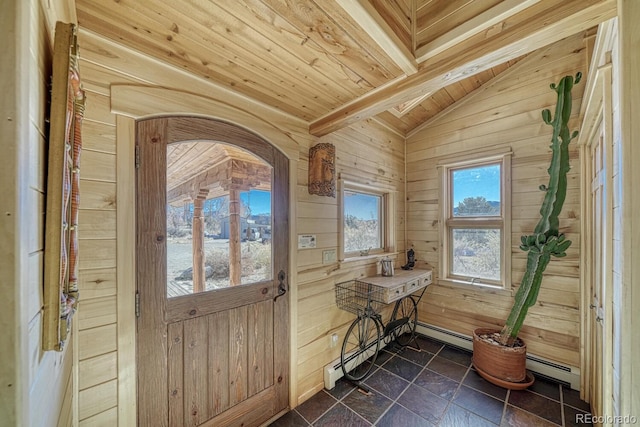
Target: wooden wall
x=504, y=113
x=626, y=242
x=97, y=355
x=36, y=386
x=367, y=152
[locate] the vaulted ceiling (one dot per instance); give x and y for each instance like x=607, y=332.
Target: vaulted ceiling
x=335, y=62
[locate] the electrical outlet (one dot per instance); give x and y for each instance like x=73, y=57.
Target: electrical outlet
x=329, y=256
x=334, y=340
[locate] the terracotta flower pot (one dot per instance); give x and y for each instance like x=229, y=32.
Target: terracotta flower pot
x=504, y=363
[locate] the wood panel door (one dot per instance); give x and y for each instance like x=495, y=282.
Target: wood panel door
x=209, y=354
x=600, y=276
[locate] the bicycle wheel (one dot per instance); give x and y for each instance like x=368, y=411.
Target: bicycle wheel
x=360, y=348
x=406, y=313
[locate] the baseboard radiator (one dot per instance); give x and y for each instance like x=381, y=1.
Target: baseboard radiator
x=333, y=371
x=569, y=375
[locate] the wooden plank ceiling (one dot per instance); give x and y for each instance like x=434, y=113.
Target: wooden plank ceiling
x=334, y=62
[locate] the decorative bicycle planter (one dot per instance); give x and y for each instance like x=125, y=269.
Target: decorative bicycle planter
x=364, y=298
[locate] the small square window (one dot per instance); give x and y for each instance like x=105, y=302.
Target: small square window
x=366, y=220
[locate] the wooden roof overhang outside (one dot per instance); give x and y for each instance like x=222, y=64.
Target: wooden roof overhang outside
x=197, y=169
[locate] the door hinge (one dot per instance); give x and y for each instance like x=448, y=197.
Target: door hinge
x=137, y=155
x=137, y=304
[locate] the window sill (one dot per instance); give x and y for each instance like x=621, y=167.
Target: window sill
x=480, y=287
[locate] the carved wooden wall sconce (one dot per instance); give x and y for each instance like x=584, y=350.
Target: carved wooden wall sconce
x=322, y=169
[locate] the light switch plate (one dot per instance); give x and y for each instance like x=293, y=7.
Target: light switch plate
x=306, y=241
x=329, y=256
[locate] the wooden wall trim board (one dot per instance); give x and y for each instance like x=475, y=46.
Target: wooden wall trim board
x=593, y=91
x=629, y=90
x=293, y=282
x=144, y=101
x=126, y=269
x=603, y=43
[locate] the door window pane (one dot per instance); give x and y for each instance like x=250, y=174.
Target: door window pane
x=476, y=253
x=219, y=219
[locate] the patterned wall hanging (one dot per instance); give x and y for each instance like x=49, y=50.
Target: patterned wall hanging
x=322, y=169
x=63, y=181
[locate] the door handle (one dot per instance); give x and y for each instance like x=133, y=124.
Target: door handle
x=282, y=288
x=599, y=319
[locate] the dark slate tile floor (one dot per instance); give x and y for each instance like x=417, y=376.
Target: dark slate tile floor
x=435, y=387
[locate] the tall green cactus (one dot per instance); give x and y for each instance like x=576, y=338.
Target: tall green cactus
x=546, y=239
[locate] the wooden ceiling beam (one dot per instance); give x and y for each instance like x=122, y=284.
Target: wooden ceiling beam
x=363, y=12
x=542, y=24
x=482, y=22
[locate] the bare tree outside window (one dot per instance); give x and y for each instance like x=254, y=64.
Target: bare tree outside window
x=215, y=211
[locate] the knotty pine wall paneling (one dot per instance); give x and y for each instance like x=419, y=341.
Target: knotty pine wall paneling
x=505, y=114
x=367, y=151
x=37, y=386
x=369, y=154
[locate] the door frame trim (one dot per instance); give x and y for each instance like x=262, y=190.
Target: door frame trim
x=126, y=270
x=131, y=103
x=597, y=109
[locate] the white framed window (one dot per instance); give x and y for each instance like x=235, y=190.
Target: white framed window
x=366, y=220
x=475, y=221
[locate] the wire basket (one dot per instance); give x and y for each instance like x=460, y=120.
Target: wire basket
x=354, y=296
